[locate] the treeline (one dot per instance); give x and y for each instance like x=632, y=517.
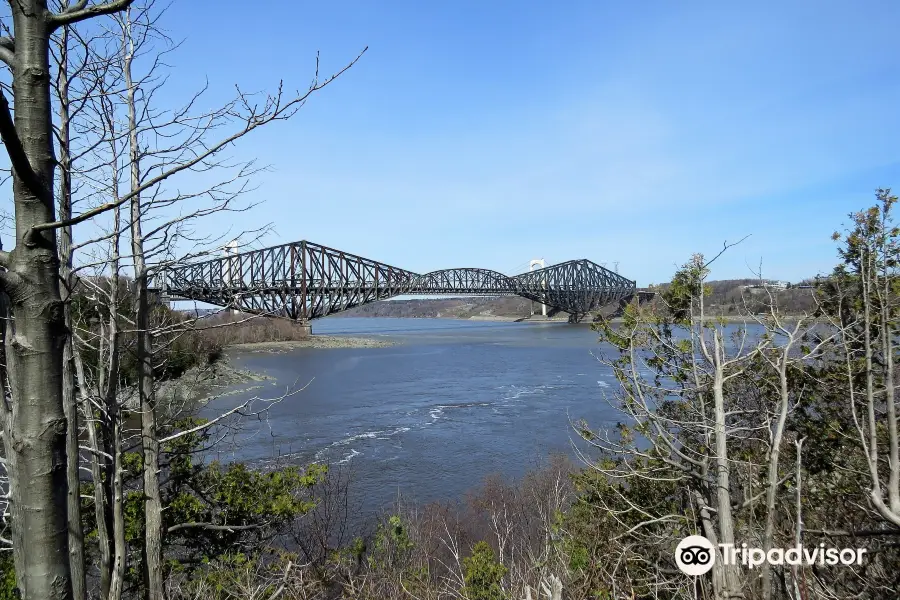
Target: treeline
x=729, y=297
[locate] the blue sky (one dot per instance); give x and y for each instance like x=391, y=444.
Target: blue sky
x=489, y=133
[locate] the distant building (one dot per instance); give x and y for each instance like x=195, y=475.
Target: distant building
x=771, y=284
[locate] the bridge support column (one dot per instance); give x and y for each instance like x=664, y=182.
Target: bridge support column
x=539, y=262
x=302, y=328
x=231, y=248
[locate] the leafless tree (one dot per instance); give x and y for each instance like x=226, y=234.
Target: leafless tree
x=706, y=407
x=34, y=414
x=34, y=421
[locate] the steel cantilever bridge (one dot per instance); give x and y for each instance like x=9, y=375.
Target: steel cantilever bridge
x=304, y=281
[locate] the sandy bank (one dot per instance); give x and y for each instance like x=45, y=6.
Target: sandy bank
x=314, y=341
x=490, y=318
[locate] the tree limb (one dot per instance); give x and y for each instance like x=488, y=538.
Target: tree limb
x=211, y=527
x=851, y=533
x=284, y=580
x=80, y=11
x=7, y=50
x=206, y=425
x=17, y=156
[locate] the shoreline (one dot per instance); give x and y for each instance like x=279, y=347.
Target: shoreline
x=313, y=341
x=199, y=386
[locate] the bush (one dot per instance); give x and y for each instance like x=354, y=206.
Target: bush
x=483, y=574
x=8, y=589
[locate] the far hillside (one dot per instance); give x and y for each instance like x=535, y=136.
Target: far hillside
x=737, y=296
x=727, y=297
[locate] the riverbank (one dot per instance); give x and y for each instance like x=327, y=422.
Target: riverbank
x=197, y=386
x=313, y=341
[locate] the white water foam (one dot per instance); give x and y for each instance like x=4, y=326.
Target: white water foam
x=437, y=412
x=368, y=435
x=349, y=457
x=526, y=391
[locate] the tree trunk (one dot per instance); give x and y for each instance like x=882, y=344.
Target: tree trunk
x=152, y=497
x=110, y=393
x=98, y=469
x=888, y=346
x=36, y=335
x=117, y=581
x=723, y=470
x=709, y=532
x=774, y=457
x=70, y=401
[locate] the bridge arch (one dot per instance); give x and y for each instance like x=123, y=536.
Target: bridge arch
x=463, y=281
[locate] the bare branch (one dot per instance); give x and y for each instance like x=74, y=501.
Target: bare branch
x=80, y=11
x=277, y=111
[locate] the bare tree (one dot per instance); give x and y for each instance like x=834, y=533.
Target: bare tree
x=707, y=407
x=33, y=417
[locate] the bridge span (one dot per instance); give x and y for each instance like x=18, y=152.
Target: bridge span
x=304, y=281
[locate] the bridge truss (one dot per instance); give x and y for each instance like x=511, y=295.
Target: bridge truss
x=304, y=281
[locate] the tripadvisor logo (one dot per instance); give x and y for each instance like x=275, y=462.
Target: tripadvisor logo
x=696, y=555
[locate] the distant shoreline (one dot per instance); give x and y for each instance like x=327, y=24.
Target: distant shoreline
x=503, y=319
x=313, y=341
x=487, y=318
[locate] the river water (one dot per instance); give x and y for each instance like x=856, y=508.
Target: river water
x=453, y=402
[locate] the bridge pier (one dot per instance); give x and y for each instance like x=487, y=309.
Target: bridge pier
x=539, y=262
x=302, y=328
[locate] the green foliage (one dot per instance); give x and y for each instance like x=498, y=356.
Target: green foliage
x=8, y=590
x=392, y=543
x=686, y=287
x=227, y=577
x=254, y=504
x=213, y=508
x=602, y=511
x=483, y=574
